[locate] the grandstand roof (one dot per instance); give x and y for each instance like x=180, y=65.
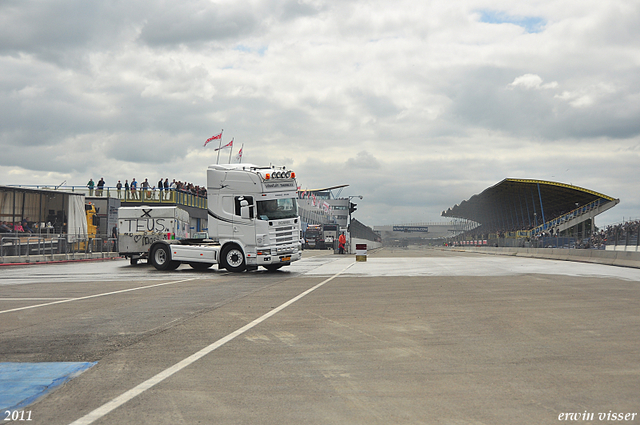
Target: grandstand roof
x=518, y=200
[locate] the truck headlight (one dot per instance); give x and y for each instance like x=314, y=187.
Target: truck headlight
x=264, y=252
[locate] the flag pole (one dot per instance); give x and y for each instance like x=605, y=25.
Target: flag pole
x=231, y=151
x=241, y=153
x=219, y=146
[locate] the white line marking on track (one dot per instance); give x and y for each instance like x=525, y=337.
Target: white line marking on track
x=31, y=299
x=136, y=391
x=68, y=300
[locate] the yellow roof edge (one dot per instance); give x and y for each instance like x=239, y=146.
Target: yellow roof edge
x=569, y=186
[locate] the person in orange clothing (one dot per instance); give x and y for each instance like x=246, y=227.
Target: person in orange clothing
x=341, y=242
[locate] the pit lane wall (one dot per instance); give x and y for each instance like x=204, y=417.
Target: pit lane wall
x=57, y=258
x=371, y=245
x=607, y=257
x=362, y=234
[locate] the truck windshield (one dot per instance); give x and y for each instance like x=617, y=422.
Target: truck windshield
x=275, y=209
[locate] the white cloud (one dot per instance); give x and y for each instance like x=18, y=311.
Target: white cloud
x=587, y=96
x=428, y=103
x=363, y=160
x=532, y=81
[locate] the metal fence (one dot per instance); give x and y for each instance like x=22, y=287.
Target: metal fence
x=54, y=247
x=624, y=238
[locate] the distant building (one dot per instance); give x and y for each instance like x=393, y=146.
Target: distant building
x=46, y=210
x=418, y=231
x=324, y=206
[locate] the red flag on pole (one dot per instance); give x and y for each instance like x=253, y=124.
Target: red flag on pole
x=218, y=136
x=228, y=145
x=239, y=155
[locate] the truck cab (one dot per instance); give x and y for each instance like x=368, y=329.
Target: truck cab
x=253, y=214
x=313, y=237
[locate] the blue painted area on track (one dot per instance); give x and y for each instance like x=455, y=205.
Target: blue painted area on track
x=23, y=383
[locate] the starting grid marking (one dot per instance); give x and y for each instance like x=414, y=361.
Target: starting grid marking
x=151, y=382
x=104, y=294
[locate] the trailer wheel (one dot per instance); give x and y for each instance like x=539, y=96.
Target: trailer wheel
x=200, y=266
x=161, y=258
x=233, y=258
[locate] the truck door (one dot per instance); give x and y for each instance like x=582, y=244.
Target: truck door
x=243, y=227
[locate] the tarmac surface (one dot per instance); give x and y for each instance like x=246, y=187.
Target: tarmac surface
x=411, y=336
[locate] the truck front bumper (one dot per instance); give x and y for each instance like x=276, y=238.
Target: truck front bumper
x=285, y=256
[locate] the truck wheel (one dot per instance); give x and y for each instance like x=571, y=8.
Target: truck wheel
x=161, y=258
x=233, y=258
x=173, y=265
x=200, y=266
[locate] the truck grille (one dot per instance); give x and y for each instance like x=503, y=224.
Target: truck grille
x=285, y=235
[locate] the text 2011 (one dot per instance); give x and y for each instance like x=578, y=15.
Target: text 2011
x=17, y=415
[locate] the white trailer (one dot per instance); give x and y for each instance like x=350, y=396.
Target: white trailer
x=253, y=221
x=140, y=227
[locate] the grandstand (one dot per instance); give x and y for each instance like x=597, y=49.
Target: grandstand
x=515, y=211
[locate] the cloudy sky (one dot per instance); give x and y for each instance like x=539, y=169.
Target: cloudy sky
x=417, y=105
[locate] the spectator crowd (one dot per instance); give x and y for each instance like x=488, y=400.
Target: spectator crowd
x=18, y=227
x=627, y=233
x=623, y=233
x=145, y=190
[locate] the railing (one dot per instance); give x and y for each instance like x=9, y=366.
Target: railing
x=169, y=196
x=544, y=242
x=47, y=248
x=624, y=238
x=566, y=217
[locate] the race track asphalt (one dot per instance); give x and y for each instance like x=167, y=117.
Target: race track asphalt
x=411, y=336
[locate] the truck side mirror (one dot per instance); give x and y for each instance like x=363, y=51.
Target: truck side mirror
x=244, y=209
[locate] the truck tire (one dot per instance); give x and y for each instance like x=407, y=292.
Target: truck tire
x=233, y=259
x=200, y=266
x=160, y=258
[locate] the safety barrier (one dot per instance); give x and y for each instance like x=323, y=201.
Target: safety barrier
x=34, y=248
x=597, y=256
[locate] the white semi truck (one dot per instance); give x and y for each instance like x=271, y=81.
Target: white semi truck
x=253, y=221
